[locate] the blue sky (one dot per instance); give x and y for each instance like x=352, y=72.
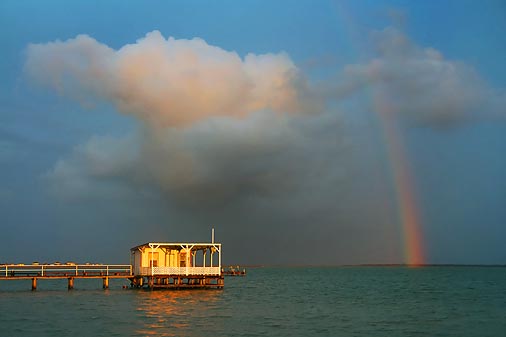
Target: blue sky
x=85, y=177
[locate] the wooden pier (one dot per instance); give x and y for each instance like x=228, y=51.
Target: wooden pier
x=154, y=265
x=70, y=272
x=182, y=279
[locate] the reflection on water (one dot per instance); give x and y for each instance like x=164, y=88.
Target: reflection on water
x=176, y=313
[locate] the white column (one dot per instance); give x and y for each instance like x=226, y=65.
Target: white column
x=151, y=262
x=187, y=259
x=219, y=257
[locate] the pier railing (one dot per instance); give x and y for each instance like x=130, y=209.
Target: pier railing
x=186, y=271
x=49, y=270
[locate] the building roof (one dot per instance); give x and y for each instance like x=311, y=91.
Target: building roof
x=177, y=245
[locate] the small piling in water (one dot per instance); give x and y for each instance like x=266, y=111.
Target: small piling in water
x=71, y=283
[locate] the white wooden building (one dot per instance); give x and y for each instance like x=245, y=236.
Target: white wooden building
x=176, y=259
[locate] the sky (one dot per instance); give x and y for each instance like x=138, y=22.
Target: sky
x=304, y=132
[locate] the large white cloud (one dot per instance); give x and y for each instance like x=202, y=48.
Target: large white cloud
x=169, y=82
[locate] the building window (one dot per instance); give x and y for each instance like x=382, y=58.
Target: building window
x=153, y=259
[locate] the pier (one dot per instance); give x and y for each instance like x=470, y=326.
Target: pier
x=154, y=265
x=70, y=272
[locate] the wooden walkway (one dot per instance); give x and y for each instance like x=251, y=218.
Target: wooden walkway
x=70, y=272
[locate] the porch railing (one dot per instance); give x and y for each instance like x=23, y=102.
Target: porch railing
x=48, y=270
x=185, y=271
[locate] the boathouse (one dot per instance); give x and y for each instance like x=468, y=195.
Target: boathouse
x=176, y=265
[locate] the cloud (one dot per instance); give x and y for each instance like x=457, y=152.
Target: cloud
x=216, y=128
x=214, y=162
x=170, y=82
x=416, y=84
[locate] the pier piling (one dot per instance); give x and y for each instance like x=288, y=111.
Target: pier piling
x=71, y=283
x=105, y=283
x=34, y=283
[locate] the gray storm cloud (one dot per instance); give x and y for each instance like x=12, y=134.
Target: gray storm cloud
x=213, y=162
x=169, y=82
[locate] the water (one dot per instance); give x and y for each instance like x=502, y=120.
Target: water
x=347, y=301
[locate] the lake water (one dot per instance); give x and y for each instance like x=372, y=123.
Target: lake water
x=344, y=301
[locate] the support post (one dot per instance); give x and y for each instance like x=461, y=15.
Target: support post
x=105, y=283
x=34, y=283
x=219, y=257
x=71, y=283
x=151, y=261
x=187, y=262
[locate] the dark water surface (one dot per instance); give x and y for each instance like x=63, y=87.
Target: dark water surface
x=345, y=301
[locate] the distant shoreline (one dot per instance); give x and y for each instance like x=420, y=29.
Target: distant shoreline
x=376, y=265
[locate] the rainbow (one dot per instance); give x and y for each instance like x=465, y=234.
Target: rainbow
x=409, y=215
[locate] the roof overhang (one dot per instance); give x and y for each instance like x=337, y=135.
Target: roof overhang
x=176, y=245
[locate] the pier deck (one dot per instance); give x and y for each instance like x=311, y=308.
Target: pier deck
x=173, y=278
x=70, y=272
x=17, y=271
x=154, y=265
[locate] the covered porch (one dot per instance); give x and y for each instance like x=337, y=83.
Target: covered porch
x=176, y=259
